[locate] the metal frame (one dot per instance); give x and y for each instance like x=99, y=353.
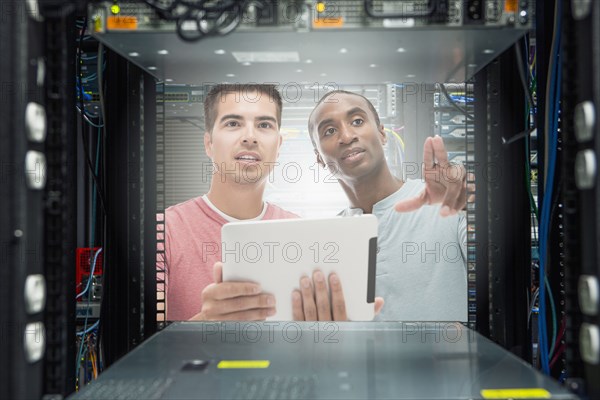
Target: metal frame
x=581, y=38
x=477, y=249
x=60, y=207
x=471, y=215
x=149, y=199
x=503, y=240
x=37, y=224
x=129, y=314
x=21, y=231
x=161, y=310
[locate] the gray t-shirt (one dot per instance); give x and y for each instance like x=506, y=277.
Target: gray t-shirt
x=421, y=260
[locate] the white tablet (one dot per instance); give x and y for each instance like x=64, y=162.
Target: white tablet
x=277, y=253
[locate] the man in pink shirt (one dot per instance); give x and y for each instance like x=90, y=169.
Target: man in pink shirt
x=242, y=139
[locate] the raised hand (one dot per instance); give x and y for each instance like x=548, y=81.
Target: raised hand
x=445, y=182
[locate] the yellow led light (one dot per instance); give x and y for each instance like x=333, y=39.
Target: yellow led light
x=243, y=364
x=320, y=7
x=525, y=393
x=115, y=9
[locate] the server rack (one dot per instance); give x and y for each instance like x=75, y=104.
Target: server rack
x=37, y=197
x=502, y=206
x=580, y=60
x=19, y=230
x=129, y=303
x=60, y=197
x=580, y=253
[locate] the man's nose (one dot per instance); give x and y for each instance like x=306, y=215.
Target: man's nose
x=249, y=136
x=347, y=135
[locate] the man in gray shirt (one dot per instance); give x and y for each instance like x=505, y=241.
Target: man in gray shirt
x=421, y=260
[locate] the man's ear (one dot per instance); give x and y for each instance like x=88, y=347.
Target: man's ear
x=383, y=134
x=208, y=144
x=319, y=159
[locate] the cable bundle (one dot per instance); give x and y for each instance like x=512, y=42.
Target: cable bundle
x=552, y=125
x=196, y=20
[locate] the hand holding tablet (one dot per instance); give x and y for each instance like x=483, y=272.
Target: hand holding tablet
x=277, y=254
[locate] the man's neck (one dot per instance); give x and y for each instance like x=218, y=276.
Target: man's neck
x=236, y=200
x=363, y=193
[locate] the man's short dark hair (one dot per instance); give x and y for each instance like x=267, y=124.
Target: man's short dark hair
x=217, y=94
x=328, y=94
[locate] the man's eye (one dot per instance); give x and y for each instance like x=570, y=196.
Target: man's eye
x=358, y=122
x=265, y=125
x=328, y=132
x=232, y=123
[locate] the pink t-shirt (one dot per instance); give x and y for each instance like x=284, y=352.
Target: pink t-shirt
x=193, y=245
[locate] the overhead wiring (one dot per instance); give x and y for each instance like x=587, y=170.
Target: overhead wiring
x=197, y=20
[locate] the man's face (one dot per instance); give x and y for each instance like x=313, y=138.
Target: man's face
x=245, y=139
x=347, y=137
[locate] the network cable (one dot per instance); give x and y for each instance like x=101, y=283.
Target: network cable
x=552, y=112
x=82, y=107
x=453, y=103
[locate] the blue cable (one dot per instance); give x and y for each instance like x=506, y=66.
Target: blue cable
x=80, y=92
x=556, y=115
x=557, y=111
x=542, y=242
x=552, y=121
x=88, y=330
x=461, y=99
x=553, y=308
x=546, y=222
x=543, y=346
